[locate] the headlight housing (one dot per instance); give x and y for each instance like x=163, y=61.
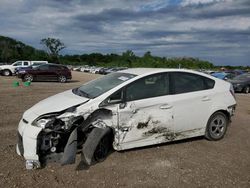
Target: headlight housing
x=44, y=123
x=57, y=123
x=60, y=120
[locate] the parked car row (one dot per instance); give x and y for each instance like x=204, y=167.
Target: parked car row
x=239, y=79
x=98, y=70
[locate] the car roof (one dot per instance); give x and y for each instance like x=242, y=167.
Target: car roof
x=52, y=64
x=142, y=71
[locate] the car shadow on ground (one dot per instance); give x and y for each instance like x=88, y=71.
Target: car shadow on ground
x=48, y=81
x=82, y=164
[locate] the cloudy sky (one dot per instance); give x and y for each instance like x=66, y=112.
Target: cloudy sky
x=214, y=30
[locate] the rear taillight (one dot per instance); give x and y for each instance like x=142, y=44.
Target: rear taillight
x=232, y=91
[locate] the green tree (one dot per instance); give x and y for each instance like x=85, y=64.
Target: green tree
x=128, y=56
x=6, y=51
x=53, y=47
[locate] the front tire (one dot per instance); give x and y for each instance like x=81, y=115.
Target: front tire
x=7, y=73
x=62, y=79
x=103, y=148
x=28, y=78
x=216, y=126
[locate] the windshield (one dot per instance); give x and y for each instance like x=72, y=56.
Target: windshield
x=243, y=77
x=101, y=85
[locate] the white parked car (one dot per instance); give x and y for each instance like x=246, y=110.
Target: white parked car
x=85, y=68
x=95, y=70
x=127, y=109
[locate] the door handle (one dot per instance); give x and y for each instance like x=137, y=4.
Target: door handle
x=205, y=98
x=165, y=106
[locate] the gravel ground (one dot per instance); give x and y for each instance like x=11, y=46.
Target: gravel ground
x=189, y=163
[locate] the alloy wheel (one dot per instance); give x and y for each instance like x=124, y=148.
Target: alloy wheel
x=28, y=78
x=6, y=73
x=62, y=79
x=218, y=126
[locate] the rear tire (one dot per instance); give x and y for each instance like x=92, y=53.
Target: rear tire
x=216, y=126
x=7, y=72
x=62, y=79
x=246, y=90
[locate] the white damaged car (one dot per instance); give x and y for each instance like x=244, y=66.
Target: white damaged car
x=127, y=109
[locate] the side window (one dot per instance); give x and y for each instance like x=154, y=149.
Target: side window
x=188, y=82
x=25, y=63
x=53, y=67
x=115, y=98
x=19, y=63
x=209, y=83
x=148, y=87
x=43, y=67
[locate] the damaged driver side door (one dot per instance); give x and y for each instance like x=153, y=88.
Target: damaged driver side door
x=146, y=115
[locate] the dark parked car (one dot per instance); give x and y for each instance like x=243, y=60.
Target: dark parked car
x=46, y=72
x=241, y=83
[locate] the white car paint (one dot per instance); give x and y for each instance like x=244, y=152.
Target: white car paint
x=138, y=123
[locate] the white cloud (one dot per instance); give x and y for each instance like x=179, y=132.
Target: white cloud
x=193, y=2
x=115, y=26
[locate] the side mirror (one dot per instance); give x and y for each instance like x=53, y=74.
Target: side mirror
x=121, y=103
x=114, y=101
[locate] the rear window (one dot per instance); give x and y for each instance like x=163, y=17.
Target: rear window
x=188, y=82
x=209, y=83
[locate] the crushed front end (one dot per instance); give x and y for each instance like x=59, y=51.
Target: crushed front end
x=59, y=137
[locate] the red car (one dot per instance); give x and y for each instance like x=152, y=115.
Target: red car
x=46, y=72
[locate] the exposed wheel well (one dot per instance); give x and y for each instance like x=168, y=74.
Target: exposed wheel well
x=224, y=112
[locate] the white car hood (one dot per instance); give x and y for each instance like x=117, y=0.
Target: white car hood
x=56, y=103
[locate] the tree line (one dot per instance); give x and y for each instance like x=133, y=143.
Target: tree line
x=129, y=59
x=12, y=50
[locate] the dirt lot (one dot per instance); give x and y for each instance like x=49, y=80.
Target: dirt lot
x=190, y=163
